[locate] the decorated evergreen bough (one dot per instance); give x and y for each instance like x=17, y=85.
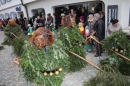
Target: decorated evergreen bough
x=116, y=72
x=119, y=43
x=72, y=38
x=44, y=64
x=14, y=37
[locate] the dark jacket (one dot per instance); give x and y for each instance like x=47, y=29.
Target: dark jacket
x=99, y=27
x=57, y=22
x=50, y=21
x=30, y=22
x=39, y=23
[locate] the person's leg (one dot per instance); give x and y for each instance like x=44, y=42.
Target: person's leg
x=98, y=50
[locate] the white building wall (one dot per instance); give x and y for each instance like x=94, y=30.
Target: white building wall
x=28, y=1
x=48, y=4
x=9, y=7
x=124, y=20
x=123, y=10
x=129, y=12
x=10, y=4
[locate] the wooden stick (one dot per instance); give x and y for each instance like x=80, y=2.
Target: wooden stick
x=14, y=35
x=120, y=55
x=17, y=60
x=86, y=60
x=126, y=58
x=92, y=37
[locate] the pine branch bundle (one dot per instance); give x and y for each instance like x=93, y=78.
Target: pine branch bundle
x=39, y=67
x=72, y=39
x=15, y=42
x=118, y=42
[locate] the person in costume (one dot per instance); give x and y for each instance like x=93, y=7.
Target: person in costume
x=70, y=19
x=45, y=60
x=12, y=27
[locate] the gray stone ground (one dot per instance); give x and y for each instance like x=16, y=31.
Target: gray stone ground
x=10, y=75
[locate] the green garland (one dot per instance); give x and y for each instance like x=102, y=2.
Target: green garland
x=119, y=42
x=72, y=39
x=16, y=42
x=35, y=63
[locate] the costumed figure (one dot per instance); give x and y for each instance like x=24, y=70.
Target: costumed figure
x=70, y=20
x=43, y=60
x=14, y=37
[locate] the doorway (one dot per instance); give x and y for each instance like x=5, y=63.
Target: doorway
x=20, y=14
x=90, y=7
x=36, y=12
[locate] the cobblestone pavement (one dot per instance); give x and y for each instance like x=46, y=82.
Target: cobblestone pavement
x=10, y=75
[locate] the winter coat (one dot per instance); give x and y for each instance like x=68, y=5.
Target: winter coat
x=99, y=27
x=26, y=24
x=50, y=21
x=112, y=29
x=57, y=22
x=31, y=22
x=91, y=26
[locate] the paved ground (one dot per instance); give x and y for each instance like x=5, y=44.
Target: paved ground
x=9, y=72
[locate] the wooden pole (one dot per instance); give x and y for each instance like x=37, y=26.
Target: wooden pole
x=86, y=60
x=17, y=60
x=120, y=55
x=126, y=58
x=14, y=35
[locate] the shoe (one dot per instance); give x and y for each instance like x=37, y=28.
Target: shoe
x=97, y=55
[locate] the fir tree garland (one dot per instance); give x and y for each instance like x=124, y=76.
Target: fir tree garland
x=45, y=69
x=16, y=42
x=118, y=42
x=72, y=39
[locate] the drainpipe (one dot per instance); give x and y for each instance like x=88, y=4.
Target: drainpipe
x=25, y=9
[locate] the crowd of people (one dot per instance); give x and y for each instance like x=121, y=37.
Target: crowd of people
x=93, y=23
